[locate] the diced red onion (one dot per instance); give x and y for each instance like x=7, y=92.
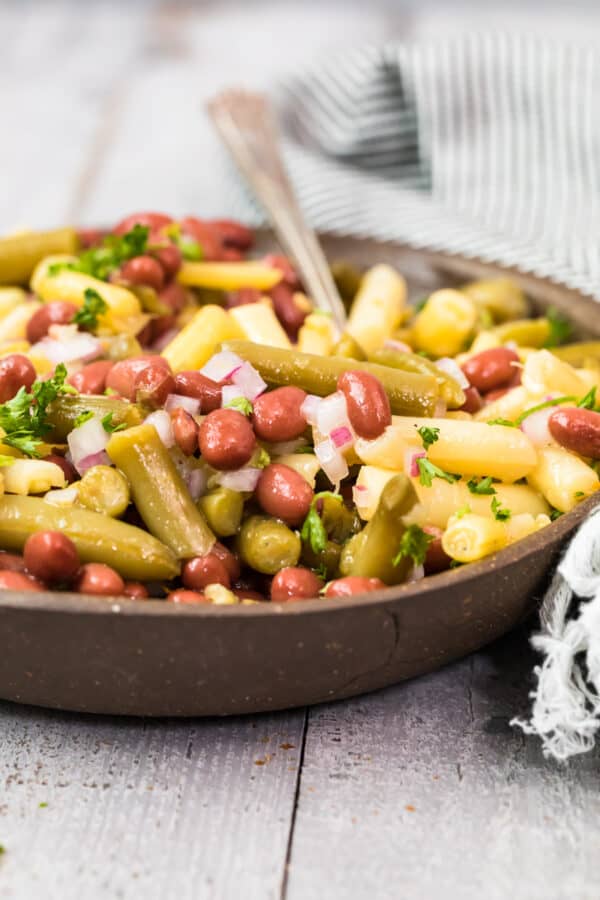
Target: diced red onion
x=85, y=442
x=332, y=462
x=179, y=401
x=391, y=344
x=244, y=479
x=247, y=379
x=360, y=495
x=229, y=393
x=222, y=366
x=162, y=422
x=451, y=368
x=535, y=427
x=79, y=346
x=342, y=437
x=310, y=408
x=95, y=459
x=333, y=413
x=195, y=480
x=410, y=461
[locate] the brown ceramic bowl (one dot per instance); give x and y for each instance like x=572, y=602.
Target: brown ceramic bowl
x=126, y=657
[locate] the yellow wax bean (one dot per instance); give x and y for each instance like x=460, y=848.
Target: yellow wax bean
x=521, y=526
x=13, y=326
x=20, y=253
x=501, y=297
x=509, y=406
x=229, y=276
x=466, y=448
x=369, y=485
x=306, y=464
x=317, y=335
x=258, y=323
x=32, y=476
x=198, y=340
x=563, y=478
x=440, y=501
x=124, y=312
x=445, y=323
x=9, y=298
x=378, y=307
x=472, y=537
x=545, y=373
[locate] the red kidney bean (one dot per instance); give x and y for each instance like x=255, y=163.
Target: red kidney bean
x=175, y=296
x=170, y=258
x=473, y=400
x=186, y=597
x=143, y=270
x=353, y=584
x=92, y=378
x=436, y=560
x=230, y=254
x=276, y=261
x=287, y=309
x=59, y=312
x=490, y=369
x=16, y=581
x=368, y=404
x=277, y=415
x=123, y=374
x=185, y=431
x=226, y=439
x=51, y=556
x=11, y=562
x=153, y=220
x=284, y=493
x=577, y=430
x=198, y=386
x=69, y=470
x=242, y=297
x=233, y=234
x=159, y=326
x=229, y=559
x=295, y=583
x=16, y=371
x=205, y=234
x=495, y=395
x=96, y=578
x=91, y=237
x=153, y=385
x=135, y=590
x=201, y=571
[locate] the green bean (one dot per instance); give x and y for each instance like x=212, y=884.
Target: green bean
x=159, y=492
x=349, y=348
x=339, y=522
x=63, y=412
x=131, y=551
x=327, y=559
x=268, y=545
x=524, y=332
x=121, y=346
x=223, y=510
x=20, y=254
x=449, y=388
x=502, y=298
x=371, y=552
x=347, y=279
x=409, y=393
x=149, y=299
x=577, y=354
x=105, y=490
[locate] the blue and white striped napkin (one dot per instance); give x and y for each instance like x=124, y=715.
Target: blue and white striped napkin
x=488, y=146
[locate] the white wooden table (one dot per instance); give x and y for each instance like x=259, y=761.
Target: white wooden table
x=419, y=791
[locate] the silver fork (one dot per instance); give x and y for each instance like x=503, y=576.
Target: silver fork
x=246, y=125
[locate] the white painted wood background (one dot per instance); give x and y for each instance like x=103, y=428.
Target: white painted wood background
x=417, y=792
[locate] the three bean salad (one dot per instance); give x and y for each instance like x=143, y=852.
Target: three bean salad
x=177, y=421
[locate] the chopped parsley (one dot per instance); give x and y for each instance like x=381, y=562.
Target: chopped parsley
x=501, y=513
x=263, y=459
x=85, y=416
x=24, y=419
x=420, y=304
x=589, y=401
x=463, y=511
x=93, y=306
x=483, y=486
x=555, y=514
x=240, y=404
x=108, y=426
x=116, y=249
x=579, y=494
x=313, y=531
x=544, y=405
x=191, y=250
x=414, y=544
x=560, y=328
x=428, y=435
x=506, y=422
x=586, y=402
x=428, y=471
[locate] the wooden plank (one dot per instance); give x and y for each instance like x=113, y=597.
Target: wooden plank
x=145, y=809
x=424, y=791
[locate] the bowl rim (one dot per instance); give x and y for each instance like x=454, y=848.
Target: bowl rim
x=457, y=265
